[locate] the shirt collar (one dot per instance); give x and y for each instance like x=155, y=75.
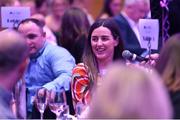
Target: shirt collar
x=36, y=55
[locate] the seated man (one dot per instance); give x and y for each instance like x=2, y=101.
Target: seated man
x=50, y=66
x=13, y=54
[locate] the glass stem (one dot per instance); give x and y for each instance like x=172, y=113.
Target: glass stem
x=41, y=115
x=58, y=117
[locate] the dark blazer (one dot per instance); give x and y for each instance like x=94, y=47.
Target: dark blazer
x=129, y=38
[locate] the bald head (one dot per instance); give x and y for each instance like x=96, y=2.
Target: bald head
x=130, y=2
x=13, y=50
x=137, y=9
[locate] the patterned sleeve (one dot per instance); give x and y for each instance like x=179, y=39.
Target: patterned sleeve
x=80, y=84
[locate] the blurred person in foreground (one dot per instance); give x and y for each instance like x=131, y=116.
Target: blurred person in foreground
x=50, y=66
x=130, y=92
x=13, y=55
x=168, y=66
x=104, y=46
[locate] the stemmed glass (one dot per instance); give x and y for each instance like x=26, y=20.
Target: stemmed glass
x=41, y=100
x=57, y=102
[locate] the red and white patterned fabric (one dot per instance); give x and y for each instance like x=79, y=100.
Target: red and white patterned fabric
x=80, y=84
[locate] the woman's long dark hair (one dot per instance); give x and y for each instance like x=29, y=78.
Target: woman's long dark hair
x=74, y=30
x=106, y=8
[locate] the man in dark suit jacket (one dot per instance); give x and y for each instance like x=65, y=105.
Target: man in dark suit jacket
x=127, y=21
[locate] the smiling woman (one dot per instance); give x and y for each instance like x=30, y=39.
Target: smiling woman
x=104, y=46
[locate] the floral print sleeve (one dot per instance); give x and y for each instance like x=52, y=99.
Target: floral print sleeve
x=80, y=84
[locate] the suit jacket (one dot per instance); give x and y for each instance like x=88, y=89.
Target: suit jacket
x=129, y=38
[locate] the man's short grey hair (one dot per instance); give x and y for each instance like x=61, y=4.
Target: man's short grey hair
x=13, y=50
x=130, y=2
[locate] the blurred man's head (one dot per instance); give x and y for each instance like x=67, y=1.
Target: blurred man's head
x=32, y=30
x=137, y=9
x=13, y=54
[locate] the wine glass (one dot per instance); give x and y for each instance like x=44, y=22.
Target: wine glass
x=41, y=100
x=80, y=108
x=57, y=102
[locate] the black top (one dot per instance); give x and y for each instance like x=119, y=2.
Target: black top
x=175, y=99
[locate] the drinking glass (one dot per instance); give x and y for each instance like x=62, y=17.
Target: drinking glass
x=80, y=107
x=57, y=102
x=41, y=100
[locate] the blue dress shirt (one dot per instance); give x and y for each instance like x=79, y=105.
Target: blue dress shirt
x=51, y=67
